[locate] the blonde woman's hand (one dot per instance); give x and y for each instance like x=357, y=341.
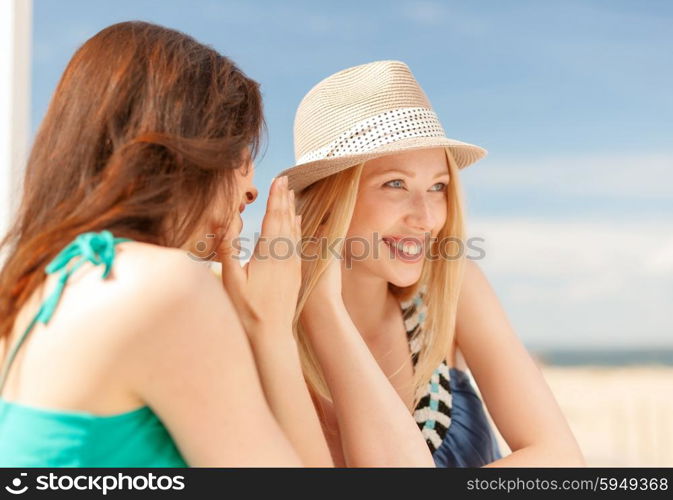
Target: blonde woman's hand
x=327, y=290
x=265, y=290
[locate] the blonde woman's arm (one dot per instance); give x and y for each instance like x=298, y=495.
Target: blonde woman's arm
x=375, y=426
x=512, y=386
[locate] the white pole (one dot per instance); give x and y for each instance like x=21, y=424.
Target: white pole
x=15, y=56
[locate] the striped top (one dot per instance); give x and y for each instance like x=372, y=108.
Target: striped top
x=450, y=414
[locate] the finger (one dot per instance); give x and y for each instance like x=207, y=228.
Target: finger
x=296, y=218
x=273, y=201
x=235, y=282
x=286, y=225
x=297, y=229
x=233, y=278
x=273, y=205
x=294, y=231
x=231, y=269
x=293, y=207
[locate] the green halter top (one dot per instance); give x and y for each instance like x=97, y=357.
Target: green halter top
x=40, y=437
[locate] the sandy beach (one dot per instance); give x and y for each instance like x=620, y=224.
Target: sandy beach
x=621, y=416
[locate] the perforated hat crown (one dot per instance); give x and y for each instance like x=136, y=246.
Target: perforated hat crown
x=362, y=113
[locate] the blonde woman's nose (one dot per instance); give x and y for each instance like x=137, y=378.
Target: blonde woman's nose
x=421, y=215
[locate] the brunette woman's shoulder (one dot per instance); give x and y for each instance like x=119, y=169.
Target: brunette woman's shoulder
x=154, y=278
x=158, y=267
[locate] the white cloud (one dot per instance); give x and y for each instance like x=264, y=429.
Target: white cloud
x=629, y=175
x=451, y=18
x=425, y=12
x=582, y=282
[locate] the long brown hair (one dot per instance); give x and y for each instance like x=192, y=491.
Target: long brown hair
x=145, y=128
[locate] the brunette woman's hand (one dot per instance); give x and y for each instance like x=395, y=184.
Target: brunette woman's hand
x=265, y=294
x=265, y=291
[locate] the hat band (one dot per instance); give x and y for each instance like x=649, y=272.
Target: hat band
x=378, y=130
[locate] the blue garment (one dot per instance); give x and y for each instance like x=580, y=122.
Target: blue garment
x=469, y=441
x=450, y=414
x=43, y=437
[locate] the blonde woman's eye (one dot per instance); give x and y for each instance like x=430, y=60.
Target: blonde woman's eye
x=440, y=186
x=397, y=183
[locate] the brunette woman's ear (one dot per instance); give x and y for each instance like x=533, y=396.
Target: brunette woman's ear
x=251, y=195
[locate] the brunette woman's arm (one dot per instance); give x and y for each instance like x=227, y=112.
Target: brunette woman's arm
x=187, y=356
x=270, y=284
x=279, y=368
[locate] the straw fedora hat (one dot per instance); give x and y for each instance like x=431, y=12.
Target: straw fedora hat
x=362, y=113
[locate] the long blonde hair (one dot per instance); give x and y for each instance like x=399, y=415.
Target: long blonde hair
x=327, y=208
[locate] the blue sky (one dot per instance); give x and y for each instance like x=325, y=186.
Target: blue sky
x=572, y=100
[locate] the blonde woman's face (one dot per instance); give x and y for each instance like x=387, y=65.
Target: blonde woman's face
x=401, y=203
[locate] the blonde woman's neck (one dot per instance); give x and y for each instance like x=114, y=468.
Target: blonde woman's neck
x=367, y=300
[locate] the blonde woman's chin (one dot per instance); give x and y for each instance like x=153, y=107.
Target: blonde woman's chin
x=404, y=274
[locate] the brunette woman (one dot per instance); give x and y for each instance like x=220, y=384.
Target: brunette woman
x=120, y=347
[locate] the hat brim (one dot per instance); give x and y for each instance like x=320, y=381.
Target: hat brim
x=303, y=175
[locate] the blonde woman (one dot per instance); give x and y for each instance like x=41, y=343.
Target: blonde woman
x=391, y=313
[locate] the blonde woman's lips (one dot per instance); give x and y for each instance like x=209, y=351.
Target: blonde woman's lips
x=407, y=248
